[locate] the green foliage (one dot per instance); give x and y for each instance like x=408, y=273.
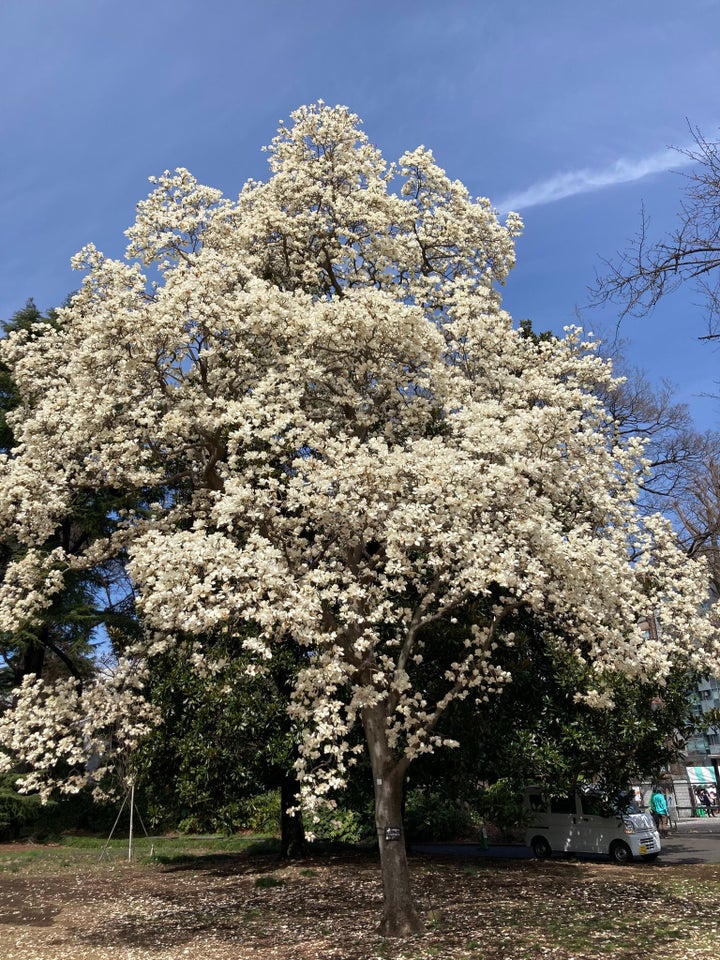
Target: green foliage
x=24, y=816
x=501, y=804
x=345, y=825
x=18, y=814
x=535, y=729
x=261, y=813
x=431, y=815
x=225, y=743
x=526, y=330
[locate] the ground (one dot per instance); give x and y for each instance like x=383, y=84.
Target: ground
x=64, y=904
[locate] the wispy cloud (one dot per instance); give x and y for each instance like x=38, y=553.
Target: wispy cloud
x=575, y=182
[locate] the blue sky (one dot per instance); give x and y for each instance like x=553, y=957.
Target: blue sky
x=563, y=110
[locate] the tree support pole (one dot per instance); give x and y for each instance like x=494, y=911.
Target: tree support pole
x=130, y=795
x=132, y=811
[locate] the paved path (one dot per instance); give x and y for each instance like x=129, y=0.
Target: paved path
x=694, y=841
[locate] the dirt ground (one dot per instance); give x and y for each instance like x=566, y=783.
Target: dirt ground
x=233, y=907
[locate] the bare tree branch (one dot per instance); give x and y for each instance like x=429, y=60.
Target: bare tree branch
x=638, y=277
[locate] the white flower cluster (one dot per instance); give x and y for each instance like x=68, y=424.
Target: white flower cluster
x=68, y=735
x=357, y=445
x=30, y=583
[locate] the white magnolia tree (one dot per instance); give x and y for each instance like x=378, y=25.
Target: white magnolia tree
x=354, y=445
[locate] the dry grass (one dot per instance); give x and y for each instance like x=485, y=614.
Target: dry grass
x=62, y=904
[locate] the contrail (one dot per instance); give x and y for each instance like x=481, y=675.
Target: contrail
x=575, y=182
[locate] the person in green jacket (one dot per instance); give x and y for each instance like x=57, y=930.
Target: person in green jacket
x=659, y=810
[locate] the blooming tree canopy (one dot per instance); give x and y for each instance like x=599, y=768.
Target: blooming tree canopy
x=348, y=442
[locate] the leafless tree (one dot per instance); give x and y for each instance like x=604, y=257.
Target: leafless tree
x=683, y=480
x=699, y=513
x=649, y=269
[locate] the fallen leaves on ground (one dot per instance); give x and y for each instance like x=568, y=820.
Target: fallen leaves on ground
x=238, y=907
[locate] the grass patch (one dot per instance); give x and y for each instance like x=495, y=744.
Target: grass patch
x=269, y=881
x=167, y=851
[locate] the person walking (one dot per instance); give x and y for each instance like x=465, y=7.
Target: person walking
x=659, y=810
x=704, y=798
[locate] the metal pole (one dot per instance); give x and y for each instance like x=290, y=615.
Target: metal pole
x=117, y=819
x=132, y=810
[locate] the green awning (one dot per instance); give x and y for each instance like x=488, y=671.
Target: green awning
x=701, y=776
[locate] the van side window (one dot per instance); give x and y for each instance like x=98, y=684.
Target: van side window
x=537, y=802
x=563, y=804
x=594, y=807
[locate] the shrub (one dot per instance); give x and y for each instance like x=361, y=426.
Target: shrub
x=343, y=826
x=261, y=813
x=501, y=805
x=26, y=816
x=429, y=815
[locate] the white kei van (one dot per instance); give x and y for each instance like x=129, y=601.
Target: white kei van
x=585, y=822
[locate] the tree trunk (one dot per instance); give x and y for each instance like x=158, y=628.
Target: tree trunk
x=292, y=829
x=33, y=658
x=400, y=918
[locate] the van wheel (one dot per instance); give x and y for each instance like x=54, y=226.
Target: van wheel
x=541, y=848
x=620, y=852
